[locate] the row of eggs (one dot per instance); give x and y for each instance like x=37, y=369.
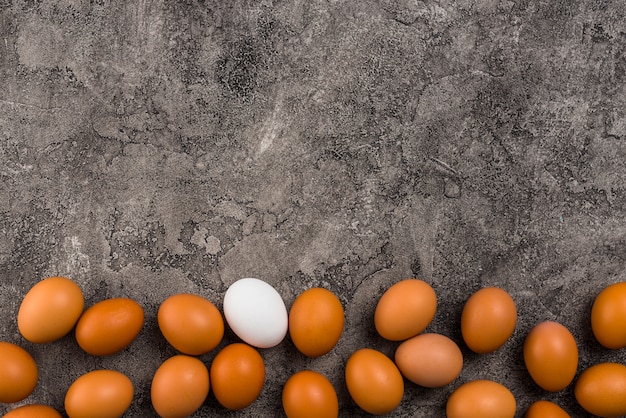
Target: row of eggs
x=257, y=314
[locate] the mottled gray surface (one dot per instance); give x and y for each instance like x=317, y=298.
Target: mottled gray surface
x=155, y=147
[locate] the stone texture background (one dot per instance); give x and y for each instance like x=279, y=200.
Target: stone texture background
x=155, y=147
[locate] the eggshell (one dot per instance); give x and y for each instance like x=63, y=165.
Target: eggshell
x=50, y=310
x=99, y=393
x=405, y=309
x=256, y=312
x=33, y=411
x=488, y=319
x=429, y=360
x=316, y=321
x=309, y=394
x=374, y=382
x=191, y=323
x=237, y=376
x=481, y=399
x=608, y=316
x=109, y=326
x=551, y=356
x=18, y=373
x=545, y=409
x=601, y=390
x=179, y=386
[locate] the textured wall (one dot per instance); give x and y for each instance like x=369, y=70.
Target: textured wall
x=155, y=147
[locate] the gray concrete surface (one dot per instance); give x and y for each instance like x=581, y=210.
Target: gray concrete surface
x=155, y=147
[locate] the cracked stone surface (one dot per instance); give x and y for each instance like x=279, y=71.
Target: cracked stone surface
x=152, y=148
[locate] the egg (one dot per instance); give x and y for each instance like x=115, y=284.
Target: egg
x=18, y=373
x=99, y=393
x=179, y=386
x=237, y=375
x=551, y=355
x=256, y=312
x=109, y=326
x=545, y=409
x=488, y=319
x=601, y=390
x=429, y=360
x=190, y=323
x=608, y=316
x=405, y=309
x=316, y=321
x=33, y=411
x=373, y=381
x=50, y=310
x=309, y=394
x=480, y=399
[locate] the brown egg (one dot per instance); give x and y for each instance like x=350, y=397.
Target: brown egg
x=18, y=373
x=33, y=411
x=601, y=390
x=99, y=393
x=179, y=386
x=488, y=319
x=191, y=323
x=551, y=356
x=405, y=309
x=50, y=310
x=608, y=316
x=237, y=376
x=316, y=321
x=309, y=394
x=109, y=326
x=429, y=360
x=374, y=382
x=480, y=399
x=545, y=409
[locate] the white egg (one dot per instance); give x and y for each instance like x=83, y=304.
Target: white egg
x=256, y=312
